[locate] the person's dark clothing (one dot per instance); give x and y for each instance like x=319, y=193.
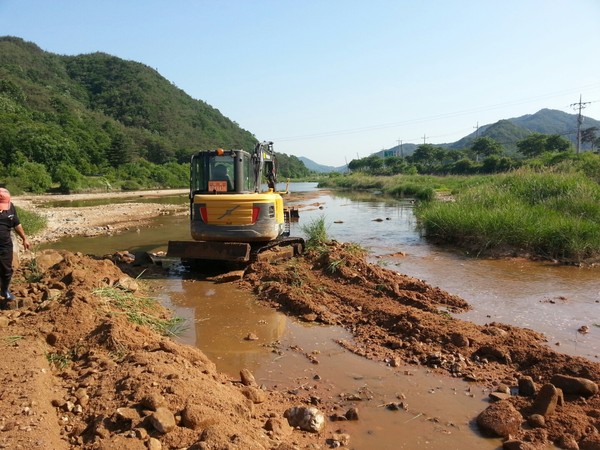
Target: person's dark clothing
x=8, y=220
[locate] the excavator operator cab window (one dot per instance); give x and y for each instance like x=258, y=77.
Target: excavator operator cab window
x=220, y=178
x=221, y=173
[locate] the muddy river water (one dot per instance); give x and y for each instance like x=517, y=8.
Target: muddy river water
x=552, y=299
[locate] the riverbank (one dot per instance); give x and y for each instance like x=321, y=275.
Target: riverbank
x=536, y=214
x=395, y=319
x=98, y=220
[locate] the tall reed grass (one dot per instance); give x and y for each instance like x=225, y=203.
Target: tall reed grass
x=552, y=215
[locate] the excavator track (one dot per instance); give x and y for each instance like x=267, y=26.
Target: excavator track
x=281, y=248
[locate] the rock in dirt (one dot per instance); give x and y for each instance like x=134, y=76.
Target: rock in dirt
x=339, y=440
x=247, y=378
x=129, y=415
x=575, y=385
x=497, y=396
x=459, y=339
x=47, y=259
x=527, y=387
x=352, y=414
x=515, y=444
x=536, y=421
x=197, y=417
x=278, y=427
x=128, y=283
x=163, y=420
x=154, y=444
x=567, y=442
x=307, y=419
x=254, y=394
x=251, y=337
x=152, y=401
x=500, y=419
x=590, y=442
x=546, y=400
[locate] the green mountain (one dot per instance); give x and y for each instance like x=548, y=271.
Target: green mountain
x=98, y=113
x=504, y=131
x=551, y=121
x=509, y=131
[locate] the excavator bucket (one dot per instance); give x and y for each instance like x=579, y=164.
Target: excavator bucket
x=206, y=250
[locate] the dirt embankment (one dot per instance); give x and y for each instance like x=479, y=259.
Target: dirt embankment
x=401, y=320
x=81, y=372
x=84, y=369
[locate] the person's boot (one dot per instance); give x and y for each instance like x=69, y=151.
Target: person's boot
x=4, y=283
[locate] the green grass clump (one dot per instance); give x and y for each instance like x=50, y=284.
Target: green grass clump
x=58, y=360
x=316, y=233
x=32, y=222
x=13, y=339
x=141, y=311
x=552, y=215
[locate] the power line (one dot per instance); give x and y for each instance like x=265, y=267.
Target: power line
x=426, y=118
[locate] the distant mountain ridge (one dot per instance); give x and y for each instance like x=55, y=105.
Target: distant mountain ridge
x=316, y=167
x=509, y=131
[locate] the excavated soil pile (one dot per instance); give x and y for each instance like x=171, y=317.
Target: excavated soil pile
x=402, y=320
x=82, y=368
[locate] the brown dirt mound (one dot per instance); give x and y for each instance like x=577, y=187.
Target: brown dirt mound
x=80, y=372
x=401, y=320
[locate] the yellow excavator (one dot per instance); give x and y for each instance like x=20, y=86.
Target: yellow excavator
x=232, y=217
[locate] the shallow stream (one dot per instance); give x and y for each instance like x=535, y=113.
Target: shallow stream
x=551, y=299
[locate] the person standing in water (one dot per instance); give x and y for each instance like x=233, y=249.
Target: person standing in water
x=9, y=220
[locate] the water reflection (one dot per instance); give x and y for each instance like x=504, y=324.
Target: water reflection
x=221, y=320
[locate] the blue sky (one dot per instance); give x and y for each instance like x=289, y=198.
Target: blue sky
x=335, y=79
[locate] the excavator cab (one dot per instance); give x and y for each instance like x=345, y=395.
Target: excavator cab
x=231, y=215
x=220, y=171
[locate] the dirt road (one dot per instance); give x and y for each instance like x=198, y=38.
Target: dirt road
x=82, y=371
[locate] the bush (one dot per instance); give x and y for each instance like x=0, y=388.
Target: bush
x=31, y=177
x=130, y=185
x=68, y=178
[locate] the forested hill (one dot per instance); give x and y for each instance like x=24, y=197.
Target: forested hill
x=99, y=114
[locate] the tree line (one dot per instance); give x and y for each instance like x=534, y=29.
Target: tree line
x=484, y=156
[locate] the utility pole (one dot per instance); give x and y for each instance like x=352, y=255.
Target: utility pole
x=578, y=107
x=476, y=131
x=424, y=137
x=400, y=146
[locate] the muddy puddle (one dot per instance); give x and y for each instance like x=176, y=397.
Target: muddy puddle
x=551, y=299
x=285, y=354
